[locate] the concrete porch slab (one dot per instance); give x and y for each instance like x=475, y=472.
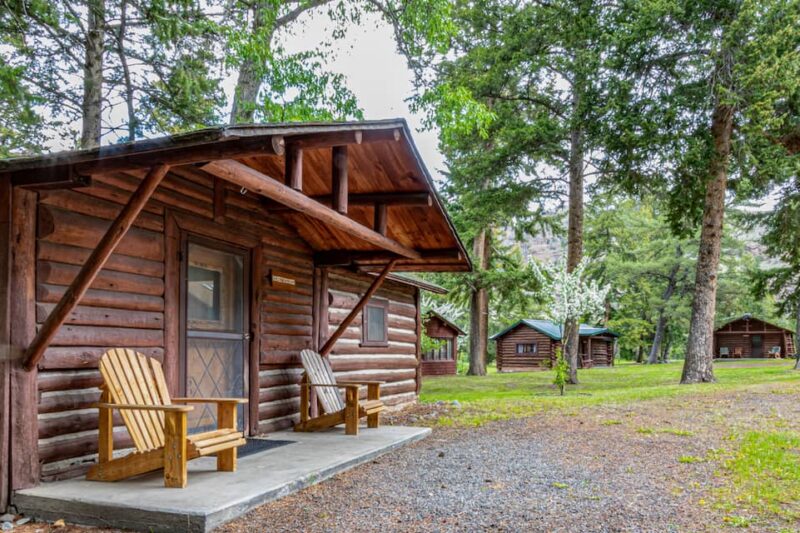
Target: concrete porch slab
x=212, y=498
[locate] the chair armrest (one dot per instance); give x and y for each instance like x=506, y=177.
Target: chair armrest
x=333, y=385
x=363, y=383
x=210, y=400
x=165, y=408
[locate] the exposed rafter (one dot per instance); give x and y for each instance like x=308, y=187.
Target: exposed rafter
x=260, y=183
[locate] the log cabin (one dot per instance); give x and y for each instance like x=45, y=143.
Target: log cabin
x=748, y=336
x=442, y=359
x=531, y=345
x=222, y=253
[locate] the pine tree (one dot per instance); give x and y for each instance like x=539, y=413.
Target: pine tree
x=700, y=89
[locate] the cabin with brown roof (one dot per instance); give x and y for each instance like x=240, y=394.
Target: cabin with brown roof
x=532, y=344
x=442, y=359
x=221, y=253
x=748, y=336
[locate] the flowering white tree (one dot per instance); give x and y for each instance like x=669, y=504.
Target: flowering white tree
x=572, y=298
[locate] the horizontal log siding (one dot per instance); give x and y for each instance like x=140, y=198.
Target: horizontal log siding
x=395, y=364
x=125, y=305
x=438, y=368
x=286, y=328
x=509, y=361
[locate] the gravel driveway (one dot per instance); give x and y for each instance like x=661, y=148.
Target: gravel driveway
x=611, y=468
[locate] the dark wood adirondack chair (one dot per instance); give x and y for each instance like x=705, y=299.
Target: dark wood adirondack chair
x=134, y=384
x=319, y=376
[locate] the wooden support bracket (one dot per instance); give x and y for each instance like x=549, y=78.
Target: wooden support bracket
x=93, y=265
x=376, y=284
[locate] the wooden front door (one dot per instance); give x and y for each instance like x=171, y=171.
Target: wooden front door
x=215, y=340
x=757, y=346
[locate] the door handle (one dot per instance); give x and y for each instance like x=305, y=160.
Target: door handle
x=247, y=336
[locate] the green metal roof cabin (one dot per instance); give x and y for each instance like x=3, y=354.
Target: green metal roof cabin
x=531, y=345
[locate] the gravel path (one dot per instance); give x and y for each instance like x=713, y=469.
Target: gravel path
x=600, y=469
x=603, y=469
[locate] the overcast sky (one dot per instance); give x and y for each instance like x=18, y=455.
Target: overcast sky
x=375, y=72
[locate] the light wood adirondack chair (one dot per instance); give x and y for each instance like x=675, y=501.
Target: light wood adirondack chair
x=319, y=375
x=134, y=384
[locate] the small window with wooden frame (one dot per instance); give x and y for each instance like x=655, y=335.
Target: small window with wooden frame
x=527, y=349
x=375, y=323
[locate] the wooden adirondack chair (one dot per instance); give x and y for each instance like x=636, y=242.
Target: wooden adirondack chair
x=319, y=375
x=135, y=385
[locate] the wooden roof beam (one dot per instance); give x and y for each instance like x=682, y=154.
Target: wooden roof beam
x=293, y=168
x=349, y=257
x=260, y=183
x=339, y=186
x=370, y=199
x=50, y=178
x=199, y=153
x=314, y=141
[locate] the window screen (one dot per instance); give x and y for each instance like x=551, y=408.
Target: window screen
x=375, y=327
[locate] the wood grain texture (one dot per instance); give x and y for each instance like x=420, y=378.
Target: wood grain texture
x=5, y=339
x=23, y=451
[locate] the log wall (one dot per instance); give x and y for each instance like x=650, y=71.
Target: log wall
x=134, y=303
x=739, y=334
x=436, y=329
x=397, y=363
x=509, y=361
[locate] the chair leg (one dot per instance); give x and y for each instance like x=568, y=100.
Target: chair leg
x=351, y=411
x=175, y=473
x=373, y=393
x=226, y=419
x=105, y=451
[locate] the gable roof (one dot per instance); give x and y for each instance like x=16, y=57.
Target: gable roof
x=553, y=330
x=750, y=316
x=383, y=162
x=433, y=313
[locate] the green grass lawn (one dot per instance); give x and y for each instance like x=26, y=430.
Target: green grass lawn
x=500, y=396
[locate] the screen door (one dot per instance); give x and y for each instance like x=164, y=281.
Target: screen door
x=216, y=338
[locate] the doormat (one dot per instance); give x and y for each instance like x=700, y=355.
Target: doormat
x=260, y=445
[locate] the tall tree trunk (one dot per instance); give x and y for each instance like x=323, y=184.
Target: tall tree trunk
x=661, y=323
x=248, y=84
x=640, y=354
x=92, y=105
x=574, y=231
x=665, y=351
x=698, y=366
x=126, y=72
x=479, y=308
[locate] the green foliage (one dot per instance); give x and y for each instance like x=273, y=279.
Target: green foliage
x=561, y=371
x=629, y=243
x=672, y=63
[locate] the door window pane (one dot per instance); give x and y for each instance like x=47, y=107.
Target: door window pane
x=214, y=289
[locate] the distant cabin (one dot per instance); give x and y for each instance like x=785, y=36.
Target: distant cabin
x=748, y=336
x=531, y=345
x=441, y=360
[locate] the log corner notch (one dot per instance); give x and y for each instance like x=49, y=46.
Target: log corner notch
x=94, y=263
x=373, y=288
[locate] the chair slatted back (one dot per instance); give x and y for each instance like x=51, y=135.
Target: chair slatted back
x=133, y=378
x=319, y=372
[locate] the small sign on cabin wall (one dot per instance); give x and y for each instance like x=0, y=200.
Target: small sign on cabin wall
x=280, y=279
